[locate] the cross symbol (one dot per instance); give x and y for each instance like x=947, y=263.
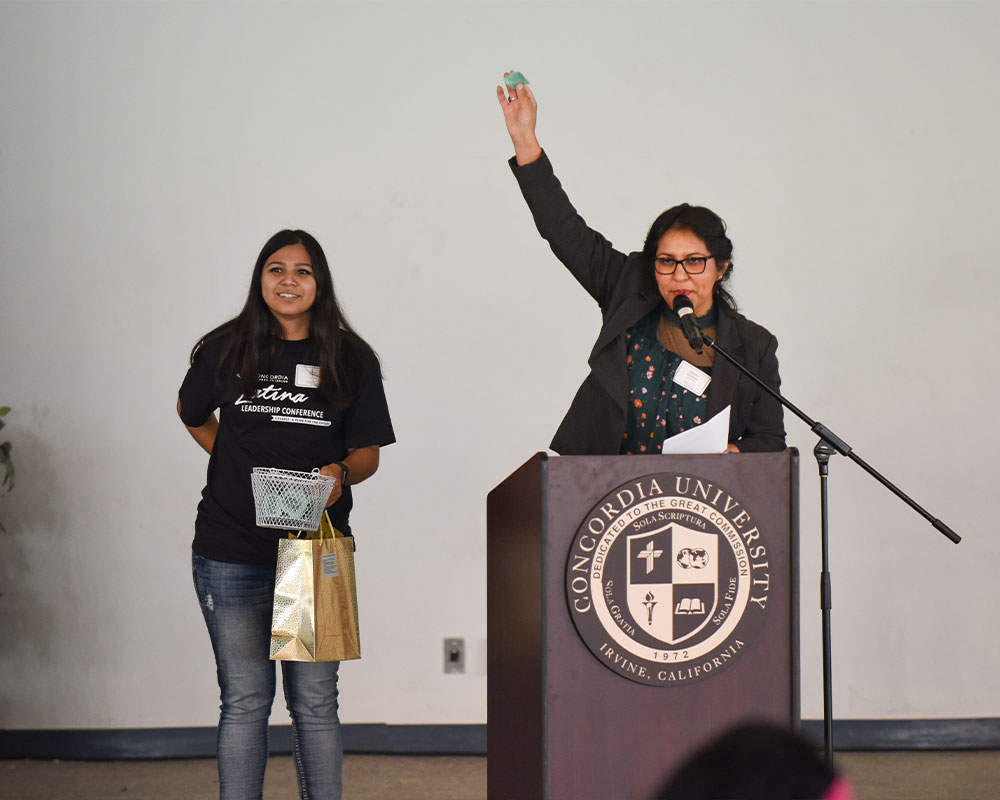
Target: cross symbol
x=649, y=554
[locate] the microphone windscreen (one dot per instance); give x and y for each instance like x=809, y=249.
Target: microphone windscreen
x=682, y=305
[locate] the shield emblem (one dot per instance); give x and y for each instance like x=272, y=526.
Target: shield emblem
x=672, y=576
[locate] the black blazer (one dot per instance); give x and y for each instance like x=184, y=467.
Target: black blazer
x=626, y=290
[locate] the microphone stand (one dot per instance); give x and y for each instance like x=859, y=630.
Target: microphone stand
x=829, y=445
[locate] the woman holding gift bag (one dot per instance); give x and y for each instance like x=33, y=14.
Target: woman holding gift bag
x=295, y=388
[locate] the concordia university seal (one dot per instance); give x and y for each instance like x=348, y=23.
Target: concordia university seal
x=667, y=579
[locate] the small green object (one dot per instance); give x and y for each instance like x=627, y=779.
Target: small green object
x=293, y=504
x=514, y=79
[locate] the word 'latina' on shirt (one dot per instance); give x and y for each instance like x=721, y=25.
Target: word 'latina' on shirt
x=272, y=392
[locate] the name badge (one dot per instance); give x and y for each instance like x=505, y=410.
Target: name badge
x=691, y=378
x=306, y=376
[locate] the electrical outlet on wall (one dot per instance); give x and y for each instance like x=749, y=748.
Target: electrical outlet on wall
x=454, y=656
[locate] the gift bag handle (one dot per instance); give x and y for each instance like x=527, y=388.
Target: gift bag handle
x=325, y=530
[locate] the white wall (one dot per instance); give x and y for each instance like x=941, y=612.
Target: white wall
x=147, y=150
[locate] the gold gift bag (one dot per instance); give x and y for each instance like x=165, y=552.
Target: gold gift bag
x=316, y=598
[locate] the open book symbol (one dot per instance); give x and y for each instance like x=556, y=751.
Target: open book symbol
x=690, y=605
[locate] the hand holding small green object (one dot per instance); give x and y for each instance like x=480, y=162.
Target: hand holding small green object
x=514, y=79
x=520, y=111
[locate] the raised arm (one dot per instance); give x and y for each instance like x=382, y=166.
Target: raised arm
x=520, y=112
x=594, y=262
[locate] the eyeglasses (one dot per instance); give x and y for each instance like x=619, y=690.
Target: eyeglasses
x=693, y=265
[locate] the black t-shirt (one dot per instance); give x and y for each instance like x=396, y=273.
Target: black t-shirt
x=288, y=425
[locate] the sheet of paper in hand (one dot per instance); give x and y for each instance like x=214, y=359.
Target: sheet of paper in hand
x=709, y=437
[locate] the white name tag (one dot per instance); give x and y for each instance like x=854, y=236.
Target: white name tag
x=306, y=376
x=691, y=378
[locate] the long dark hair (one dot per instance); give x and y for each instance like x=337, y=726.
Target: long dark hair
x=707, y=226
x=250, y=338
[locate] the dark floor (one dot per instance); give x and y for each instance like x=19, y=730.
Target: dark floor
x=953, y=775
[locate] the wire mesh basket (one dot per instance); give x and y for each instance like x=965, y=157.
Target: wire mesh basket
x=290, y=500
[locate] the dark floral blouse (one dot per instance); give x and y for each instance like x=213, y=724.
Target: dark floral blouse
x=657, y=407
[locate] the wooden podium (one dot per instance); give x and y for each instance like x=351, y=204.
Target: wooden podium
x=579, y=703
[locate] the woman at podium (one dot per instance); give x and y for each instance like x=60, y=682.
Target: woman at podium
x=646, y=382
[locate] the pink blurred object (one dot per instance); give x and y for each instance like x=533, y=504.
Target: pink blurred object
x=840, y=789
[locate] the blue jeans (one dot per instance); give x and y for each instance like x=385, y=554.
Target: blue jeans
x=236, y=601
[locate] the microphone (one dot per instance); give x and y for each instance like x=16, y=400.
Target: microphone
x=689, y=323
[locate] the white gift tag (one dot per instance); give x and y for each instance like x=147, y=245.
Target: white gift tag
x=330, y=565
x=306, y=376
x=691, y=378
